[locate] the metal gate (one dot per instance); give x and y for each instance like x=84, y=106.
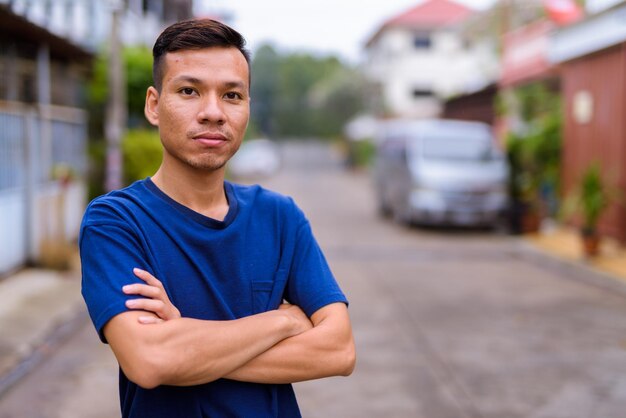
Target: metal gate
x=36, y=208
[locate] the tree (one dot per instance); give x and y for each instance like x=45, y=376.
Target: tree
x=264, y=88
x=301, y=95
x=336, y=100
x=137, y=62
x=138, y=68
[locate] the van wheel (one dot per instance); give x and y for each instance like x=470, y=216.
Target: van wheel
x=383, y=207
x=384, y=210
x=401, y=217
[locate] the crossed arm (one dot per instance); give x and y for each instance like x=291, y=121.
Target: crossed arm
x=155, y=346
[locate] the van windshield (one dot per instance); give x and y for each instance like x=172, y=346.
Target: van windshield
x=468, y=148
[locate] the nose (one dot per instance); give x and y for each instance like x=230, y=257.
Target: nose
x=211, y=110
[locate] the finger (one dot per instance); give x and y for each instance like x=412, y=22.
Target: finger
x=149, y=320
x=150, y=305
x=148, y=291
x=147, y=277
x=161, y=309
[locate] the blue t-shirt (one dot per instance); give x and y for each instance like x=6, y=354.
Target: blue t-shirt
x=261, y=253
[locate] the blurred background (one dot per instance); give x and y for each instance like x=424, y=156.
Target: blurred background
x=426, y=140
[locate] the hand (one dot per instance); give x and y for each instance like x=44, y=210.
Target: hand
x=301, y=322
x=157, y=300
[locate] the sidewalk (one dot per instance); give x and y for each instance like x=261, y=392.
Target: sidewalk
x=38, y=309
x=564, y=244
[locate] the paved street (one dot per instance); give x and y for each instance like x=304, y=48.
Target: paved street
x=448, y=323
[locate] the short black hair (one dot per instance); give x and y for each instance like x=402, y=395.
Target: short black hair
x=194, y=34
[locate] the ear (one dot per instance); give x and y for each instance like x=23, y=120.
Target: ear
x=151, y=108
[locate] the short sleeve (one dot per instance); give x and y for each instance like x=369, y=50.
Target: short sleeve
x=311, y=283
x=109, y=252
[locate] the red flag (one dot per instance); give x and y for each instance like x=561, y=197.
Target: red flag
x=563, y=12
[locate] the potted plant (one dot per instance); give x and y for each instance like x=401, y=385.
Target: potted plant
x=590, y=200
x=525, y=214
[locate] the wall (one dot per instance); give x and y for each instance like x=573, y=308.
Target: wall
x=596, y=129
x=478, y=106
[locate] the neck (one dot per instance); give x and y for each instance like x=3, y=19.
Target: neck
x=200, y=191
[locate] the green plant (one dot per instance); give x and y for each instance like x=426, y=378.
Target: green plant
x=138, y=70
x=299, y=95
x=593, y=196
x=590, y=198
x=534, y=150
x=142, y=152
x=524, y=180
x=361, y=153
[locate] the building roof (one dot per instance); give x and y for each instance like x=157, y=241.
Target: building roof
x=597, y=32
x=13, y=26
x=431, y=14
x=428, y=15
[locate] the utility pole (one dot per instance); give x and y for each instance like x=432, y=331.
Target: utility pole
x=116, y=114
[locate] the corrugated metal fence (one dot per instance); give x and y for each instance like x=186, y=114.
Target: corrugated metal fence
x=38, y=211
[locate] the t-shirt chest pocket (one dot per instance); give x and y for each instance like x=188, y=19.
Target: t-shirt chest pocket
x=267, y=294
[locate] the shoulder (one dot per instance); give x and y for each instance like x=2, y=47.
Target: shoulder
x=116, y=204
x=258, y=197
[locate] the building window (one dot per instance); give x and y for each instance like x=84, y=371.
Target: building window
x=421, y=93
x=27, y=87
x=421, y=42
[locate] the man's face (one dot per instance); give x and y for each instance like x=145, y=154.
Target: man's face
x=203, y=108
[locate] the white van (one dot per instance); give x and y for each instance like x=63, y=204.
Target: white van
x=440, y=172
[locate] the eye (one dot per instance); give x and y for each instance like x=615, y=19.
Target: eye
x=232, y=95
x=187, y=91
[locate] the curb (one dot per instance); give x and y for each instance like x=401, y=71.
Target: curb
x=39, y=310
x=53, y=340
x=571, y=270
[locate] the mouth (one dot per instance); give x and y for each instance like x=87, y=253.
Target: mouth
x=211, y=140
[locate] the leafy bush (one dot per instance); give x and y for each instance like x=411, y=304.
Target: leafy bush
x=535, y=151
x=142, y=153
x=138, y=70
x=360, y=153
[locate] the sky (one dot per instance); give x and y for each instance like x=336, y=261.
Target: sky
x=339, y=27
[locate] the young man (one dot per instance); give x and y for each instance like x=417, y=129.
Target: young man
x=209, y=334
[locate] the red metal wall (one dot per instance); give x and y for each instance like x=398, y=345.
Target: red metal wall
x=603, y=138
x=478, y=106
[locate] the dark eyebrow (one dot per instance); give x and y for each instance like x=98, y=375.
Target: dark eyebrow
x=235, y=85
x=194, y=80
x=187, y=79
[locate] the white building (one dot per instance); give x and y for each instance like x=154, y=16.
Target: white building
x=417, y=59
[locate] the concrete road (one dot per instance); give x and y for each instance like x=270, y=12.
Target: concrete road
x=448, y=323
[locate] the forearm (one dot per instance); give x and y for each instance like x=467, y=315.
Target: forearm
x=213, y=349
x=297, y=359
x=325, y=350
x=185, y=351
